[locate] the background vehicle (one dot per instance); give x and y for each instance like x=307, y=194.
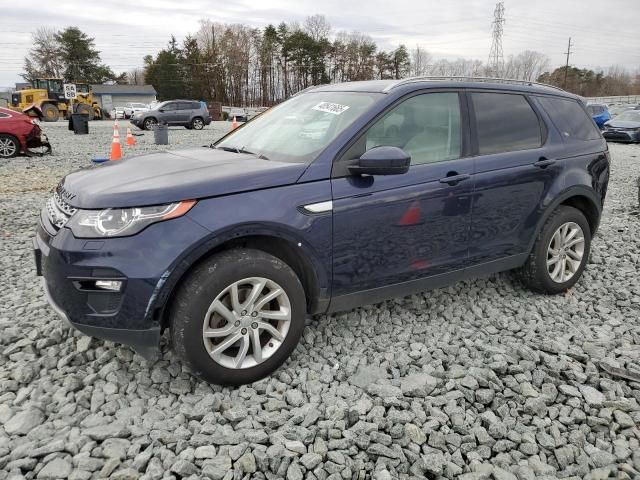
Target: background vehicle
x=239, y=114
x=624, y=128
x=118, y=113
x=343, y=195
x=132, y=108
x=48, y=95
x=18, y=133
x=186, y=113
x=616, y=110
x=599, y=112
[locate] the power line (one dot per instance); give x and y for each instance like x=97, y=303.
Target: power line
x=496, y=55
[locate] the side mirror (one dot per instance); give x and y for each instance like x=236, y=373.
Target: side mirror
x=382, y=161
x=161, y=110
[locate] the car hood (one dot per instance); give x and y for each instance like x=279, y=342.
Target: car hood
x=622, y=124
x=172, y=176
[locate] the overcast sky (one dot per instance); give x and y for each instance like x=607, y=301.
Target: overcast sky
x=604, y=32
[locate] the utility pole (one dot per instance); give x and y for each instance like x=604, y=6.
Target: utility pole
x=496, y=56
x=566, y=68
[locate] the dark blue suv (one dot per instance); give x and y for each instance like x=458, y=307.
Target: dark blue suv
x=343, y=195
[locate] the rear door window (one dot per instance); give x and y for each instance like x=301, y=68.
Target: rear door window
x=185, y=106
x=570, y=118
x=505, y=123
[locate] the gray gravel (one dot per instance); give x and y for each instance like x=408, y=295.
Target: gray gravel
x=479, y=380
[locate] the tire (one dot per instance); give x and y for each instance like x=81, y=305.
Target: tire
x=212, y=281
x=9, y=146
x=85, y=109
x=149, y=123
x=50, y=112
x=537, y=274
x=197, y=123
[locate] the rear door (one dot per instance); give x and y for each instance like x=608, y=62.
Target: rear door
x=185, y=110
x=515, y=168
x=394, y=229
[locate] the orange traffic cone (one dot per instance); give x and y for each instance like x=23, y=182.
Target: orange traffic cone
x=130, y=140
x=116, y=149
x=234, y=124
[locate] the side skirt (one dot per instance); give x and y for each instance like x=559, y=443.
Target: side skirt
x=376, y=295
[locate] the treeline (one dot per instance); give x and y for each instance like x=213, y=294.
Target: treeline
x=245, y=66
x=241, y=65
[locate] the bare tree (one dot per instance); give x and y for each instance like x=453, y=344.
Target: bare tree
x=317, y=26
x=420, y=61
x=44, y=59
x=135, y=76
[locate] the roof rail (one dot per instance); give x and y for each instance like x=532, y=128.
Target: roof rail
x=469, y=79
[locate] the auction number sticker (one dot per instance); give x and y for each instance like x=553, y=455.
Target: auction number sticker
x=328, y=107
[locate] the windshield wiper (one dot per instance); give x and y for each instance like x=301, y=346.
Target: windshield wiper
x=242, y=150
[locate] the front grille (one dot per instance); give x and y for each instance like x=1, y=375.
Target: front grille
x=58, y=211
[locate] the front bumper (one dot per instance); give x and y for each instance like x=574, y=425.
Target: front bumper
x=133, y=314
x=622, y=135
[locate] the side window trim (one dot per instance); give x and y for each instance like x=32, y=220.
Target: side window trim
x=544, y=129
x=339, y=164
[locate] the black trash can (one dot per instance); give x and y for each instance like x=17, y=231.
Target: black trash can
x=161, y=134
x=79, y=123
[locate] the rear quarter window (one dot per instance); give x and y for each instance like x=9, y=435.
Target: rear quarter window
x=505, y=122
x=570, y=118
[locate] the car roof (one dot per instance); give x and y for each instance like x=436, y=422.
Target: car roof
x=414, y=83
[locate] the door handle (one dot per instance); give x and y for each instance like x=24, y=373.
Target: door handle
x=544, y=162
x=453, y=178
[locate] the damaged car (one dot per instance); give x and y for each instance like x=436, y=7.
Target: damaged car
x=20, y=133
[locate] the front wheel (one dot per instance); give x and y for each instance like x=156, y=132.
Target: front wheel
x=560, y=253
x=238, y=316
x=149, y=123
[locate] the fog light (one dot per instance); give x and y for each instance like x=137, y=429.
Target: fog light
x=111, y=285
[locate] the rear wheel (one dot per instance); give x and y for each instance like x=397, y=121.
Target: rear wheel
x=197, y=123
x=238, y=316
x=50, y=112
x=560, y=252
x=9, y=146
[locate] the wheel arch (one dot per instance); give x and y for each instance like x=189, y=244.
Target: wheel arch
x=579, y=197
x=283, y=247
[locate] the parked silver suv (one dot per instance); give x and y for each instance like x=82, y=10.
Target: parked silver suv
x=186, y=113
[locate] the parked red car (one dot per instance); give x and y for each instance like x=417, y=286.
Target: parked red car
x=18, y=133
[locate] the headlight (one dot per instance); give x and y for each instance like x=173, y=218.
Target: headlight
x=122, y=222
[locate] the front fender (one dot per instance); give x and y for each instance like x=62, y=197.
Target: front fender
x=266, y=213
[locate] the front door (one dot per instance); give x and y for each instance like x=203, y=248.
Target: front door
x=403, y=228
x=169, y=114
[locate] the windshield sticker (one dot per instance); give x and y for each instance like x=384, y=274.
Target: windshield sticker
x=328, y=107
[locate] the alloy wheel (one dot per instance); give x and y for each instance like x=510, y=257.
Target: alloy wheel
x=7, y=147
x=565, y=252
x=247, y=323
x=197, y=124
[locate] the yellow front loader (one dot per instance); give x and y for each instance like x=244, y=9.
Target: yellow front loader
x=48, y=95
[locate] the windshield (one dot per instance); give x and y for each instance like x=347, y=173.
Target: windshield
x=629, y=116
x=299, y=129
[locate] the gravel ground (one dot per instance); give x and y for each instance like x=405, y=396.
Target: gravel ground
x=476, y=381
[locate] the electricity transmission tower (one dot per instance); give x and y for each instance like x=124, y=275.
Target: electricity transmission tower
x=496, y=56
